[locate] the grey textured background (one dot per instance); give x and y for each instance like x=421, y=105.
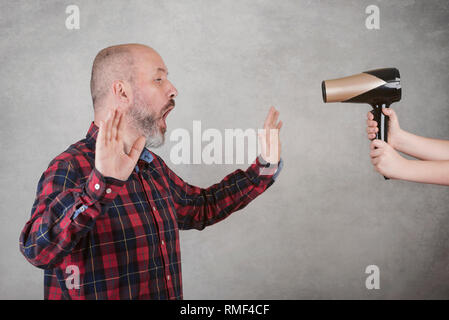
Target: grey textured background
x=329, y=215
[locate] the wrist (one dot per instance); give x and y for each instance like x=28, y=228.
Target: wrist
x=101, y=188
x=264, y=162
x=266, y=168
x=404, y=169
x=398, y=139
x=114, y=176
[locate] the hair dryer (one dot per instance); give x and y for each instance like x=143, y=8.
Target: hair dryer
x=379, y=88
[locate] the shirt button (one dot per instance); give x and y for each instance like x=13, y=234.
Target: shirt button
x=168, y=278
x=154, y=208
x=163, y=243
x=108, y=190
x=97, y=186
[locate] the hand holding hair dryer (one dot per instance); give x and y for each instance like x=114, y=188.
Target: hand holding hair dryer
x=379, y=88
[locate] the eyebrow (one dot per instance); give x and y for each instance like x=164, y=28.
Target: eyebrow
x=163, y=70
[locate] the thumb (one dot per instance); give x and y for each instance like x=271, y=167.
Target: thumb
x=390, y=113
x=377, y=144
x=137, y=148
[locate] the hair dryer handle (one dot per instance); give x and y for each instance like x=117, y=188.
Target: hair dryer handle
x=382, y=123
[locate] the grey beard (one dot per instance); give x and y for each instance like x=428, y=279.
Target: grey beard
x=146, y=125
x=155, y=141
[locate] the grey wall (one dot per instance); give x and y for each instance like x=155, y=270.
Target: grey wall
x=329, y=215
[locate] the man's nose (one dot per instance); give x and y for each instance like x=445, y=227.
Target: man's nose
x=173, y=93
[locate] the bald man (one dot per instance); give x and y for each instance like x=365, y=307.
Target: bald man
x=105, y=221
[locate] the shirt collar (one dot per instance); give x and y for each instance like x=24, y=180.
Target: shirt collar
x=92, y=134
x=91, y=138
x=146, y=155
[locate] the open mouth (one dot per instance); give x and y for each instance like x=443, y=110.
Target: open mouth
x=171, y=106
x=164, y=116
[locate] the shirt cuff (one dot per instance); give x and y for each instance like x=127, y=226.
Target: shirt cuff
x=268, y=169
x=101, y=188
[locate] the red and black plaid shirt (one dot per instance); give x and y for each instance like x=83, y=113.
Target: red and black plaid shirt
x=122, y=236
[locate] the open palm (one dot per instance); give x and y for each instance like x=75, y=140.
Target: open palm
x=269, y=137
x=110, y=157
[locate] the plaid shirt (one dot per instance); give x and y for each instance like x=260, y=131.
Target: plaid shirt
x=121, y=237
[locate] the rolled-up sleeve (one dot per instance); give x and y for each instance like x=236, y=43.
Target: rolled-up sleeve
x=64, y=211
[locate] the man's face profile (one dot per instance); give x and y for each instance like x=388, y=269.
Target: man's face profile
x=153, y=98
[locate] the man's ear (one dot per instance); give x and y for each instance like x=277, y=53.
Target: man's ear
x=122, y=93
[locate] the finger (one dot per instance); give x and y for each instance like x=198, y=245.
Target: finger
x=115, y=124
x=137, y=148
x=372, y=130
x=390, y=113
x=262, y=141
x=109, y=126
x=267, y=141
x=101, y=135
x=107, y=134
x=375, y=160
x=370, y=115
x=274, y=135
x=274, y=119
x=378, y=144
x=371, y=123
x=279, y=126
x=371, y=136
x=121, y=125
x=387, y=111
x=268, y=118
x=376, y=152
x=373, y=145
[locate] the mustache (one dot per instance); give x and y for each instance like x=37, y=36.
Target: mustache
x=170, y=103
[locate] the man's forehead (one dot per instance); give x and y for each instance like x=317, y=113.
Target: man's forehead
x=151, y=60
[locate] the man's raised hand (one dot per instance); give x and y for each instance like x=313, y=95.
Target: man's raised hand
x=110, y=157
x=269, y=139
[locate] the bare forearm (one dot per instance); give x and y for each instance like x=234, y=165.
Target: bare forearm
x=435, y=172
x=421, y=147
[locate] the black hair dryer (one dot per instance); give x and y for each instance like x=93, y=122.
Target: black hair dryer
x=379, y=88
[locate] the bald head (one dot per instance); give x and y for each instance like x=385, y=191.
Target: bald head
x=132, y=78
x=111, y=64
